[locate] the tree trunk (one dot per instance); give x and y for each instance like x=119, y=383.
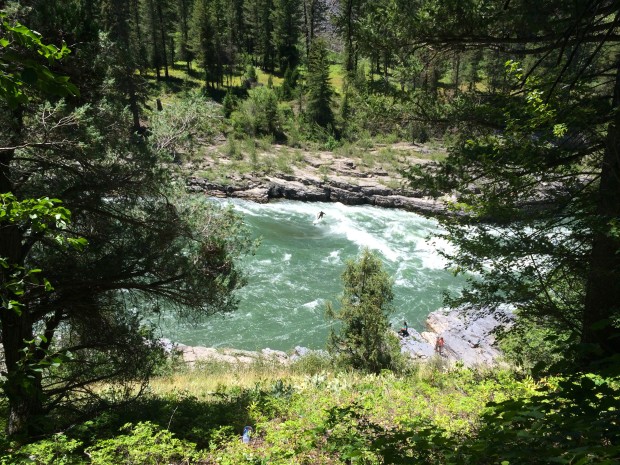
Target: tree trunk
x=603, y=284
x=350, y=64
x=457, y=72
x=24, y=394
x=307, y=26
x=24, y=400
x=133, y=102
x=162, y=34
x=154, y=48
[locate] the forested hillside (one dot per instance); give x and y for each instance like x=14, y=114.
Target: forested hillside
x=107, y=105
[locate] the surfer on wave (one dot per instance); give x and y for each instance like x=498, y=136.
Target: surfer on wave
x=320, y=215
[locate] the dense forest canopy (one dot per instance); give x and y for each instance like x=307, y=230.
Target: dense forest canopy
x=525, y=96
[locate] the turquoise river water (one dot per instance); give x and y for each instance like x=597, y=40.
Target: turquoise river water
x=298, y=268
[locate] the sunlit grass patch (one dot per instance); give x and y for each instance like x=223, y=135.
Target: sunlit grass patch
x=336, y=76
x=208, y=376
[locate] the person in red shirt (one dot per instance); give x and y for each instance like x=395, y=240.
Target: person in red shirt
x=439, y=345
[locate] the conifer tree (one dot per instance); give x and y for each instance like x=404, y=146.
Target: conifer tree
x=152, y=45
x=286, y=32
x=117, y=17
x=347, y=22
x=289, y=83
x=145, y=245
x=537, y=166
x=363, y=340
x=314, y=15
x=202, y=32
x=184, y=15
x=259, y=27
x=319, y=90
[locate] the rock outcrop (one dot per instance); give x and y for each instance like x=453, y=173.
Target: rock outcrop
x=469, y=335
x=325, y=177
x=311, y=190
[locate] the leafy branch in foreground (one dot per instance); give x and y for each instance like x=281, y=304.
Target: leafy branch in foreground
x=19, y=70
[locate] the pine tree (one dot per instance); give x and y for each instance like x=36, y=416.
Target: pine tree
x=314, y=13
x=156, y=56
x=319, y=91
x=184, y=15
x=289, y=83
x=209, y=32
x=259, y=27
x=228, y=104
x=202, y=32
x=117, y=17
x=347, y=23
x=145, y=244
x=286, y=32
x=363, y=340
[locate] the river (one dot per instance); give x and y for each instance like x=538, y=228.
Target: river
x=298, y=268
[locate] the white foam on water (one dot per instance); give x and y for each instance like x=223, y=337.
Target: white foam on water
x=355, y=233
x=287, y=257
x=333, y=258
x=314, y=304
x=400, y=276
x=246, y=208
x=428, y=252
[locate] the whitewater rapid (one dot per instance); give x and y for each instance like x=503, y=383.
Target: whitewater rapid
x=298, y=268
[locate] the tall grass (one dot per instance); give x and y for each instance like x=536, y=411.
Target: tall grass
x=206, y=377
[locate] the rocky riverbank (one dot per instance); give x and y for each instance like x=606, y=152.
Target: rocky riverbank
x=469, y=338
x=325, y=177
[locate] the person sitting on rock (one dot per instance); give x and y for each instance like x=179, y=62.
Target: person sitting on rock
x=404, y=331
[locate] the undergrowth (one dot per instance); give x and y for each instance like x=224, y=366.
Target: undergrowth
x=299, y=415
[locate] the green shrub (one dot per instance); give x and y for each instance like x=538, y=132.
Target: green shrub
x=232, y=149
x=258, y=114
x=144, y=444
x=312, y=364
x=419, y=132
x=283, y=163
x=250, y=77
x=229, y=104
x=58, y=450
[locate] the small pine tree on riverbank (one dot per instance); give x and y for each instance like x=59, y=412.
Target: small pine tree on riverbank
x=363, y=340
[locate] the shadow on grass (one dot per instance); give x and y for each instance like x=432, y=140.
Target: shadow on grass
x=172, y=84
x=186, y=416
